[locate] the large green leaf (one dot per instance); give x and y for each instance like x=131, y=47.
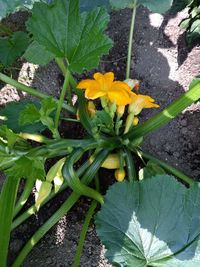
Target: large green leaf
x=159, y=6
x=27, y=167
x=12, y=112
x=12, y=47
x=155, y=222
x=66, y=33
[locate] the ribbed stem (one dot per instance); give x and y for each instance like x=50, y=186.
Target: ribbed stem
x=32, y=210
x=66, y=206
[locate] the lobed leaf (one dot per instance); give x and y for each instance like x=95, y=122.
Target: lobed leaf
x=63, y=31
x=12, y=113
x=27, y=167
x=37, y=54
x=155, y=222
x=12, y=47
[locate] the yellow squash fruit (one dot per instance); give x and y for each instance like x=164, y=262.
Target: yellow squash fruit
x=111, y=162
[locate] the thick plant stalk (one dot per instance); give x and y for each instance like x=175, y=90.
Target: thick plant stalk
x=167, y=114
x=130, y=165
x=84, y=230
x=24, y=197
x=130, y=44
x=168, y=168
x=30, y=90
x=66, y=206
x=7, y=203
x=73, y=180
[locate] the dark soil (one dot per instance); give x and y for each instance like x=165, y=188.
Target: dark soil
x=165, y=67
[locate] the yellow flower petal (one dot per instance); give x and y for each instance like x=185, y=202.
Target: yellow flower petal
x=87, y=84
x=141, y=101
x=120, y=97
x=91, y=93
x=104, y=85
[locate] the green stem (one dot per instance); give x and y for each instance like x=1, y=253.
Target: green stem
x=66, y=206
x=130, y=44
x=84, y=230
x=7, y=202
x=168, y=168
x=31, y=91
x=61, y=100
x=32, y=210
x=73, y=180
x=130, y=165
x=24, y=197
x=61, y=65
x=167, y=114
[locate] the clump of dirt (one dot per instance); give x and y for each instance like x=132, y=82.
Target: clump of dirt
x=165, y=67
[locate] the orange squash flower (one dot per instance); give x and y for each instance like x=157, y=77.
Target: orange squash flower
x=139, y=102
x=104, y=85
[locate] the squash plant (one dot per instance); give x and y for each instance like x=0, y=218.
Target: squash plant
x=192, y=23
x=147, y=218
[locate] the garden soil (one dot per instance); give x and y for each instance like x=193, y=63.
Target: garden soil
x=165, y=66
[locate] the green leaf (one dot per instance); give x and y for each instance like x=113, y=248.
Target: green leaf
x=87, y=5
x=155, y=222
x=37, y=54
x=12, y=47
x=185, y=23
x=194, y=32
x=26, y=167
x=29, y=115
x=48, y=105
x=68, y=34
x=158, y=6
x=8, y=136
x=12, y=113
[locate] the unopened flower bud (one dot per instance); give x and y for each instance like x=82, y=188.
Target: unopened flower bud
x=135, y=121
x=91, y=108
x=120, y=175
x=120, y=111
